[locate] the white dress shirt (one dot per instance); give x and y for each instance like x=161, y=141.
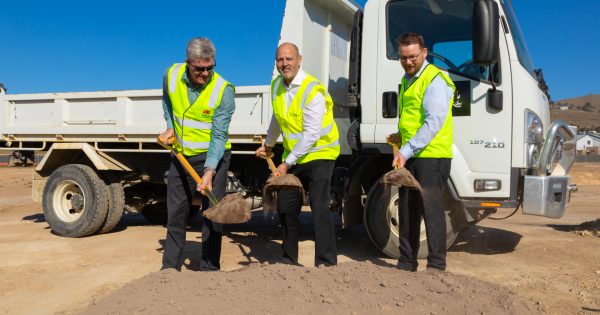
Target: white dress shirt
x=313, y=115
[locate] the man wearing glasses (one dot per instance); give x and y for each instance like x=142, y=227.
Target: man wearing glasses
x=198, y=104
x=303, y=116
x=425, y=135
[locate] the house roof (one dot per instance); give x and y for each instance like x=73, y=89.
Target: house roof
x=593, y=136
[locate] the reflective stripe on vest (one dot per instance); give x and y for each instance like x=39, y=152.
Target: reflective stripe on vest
x=290, y=119
x=193, y=122
x=412, y=114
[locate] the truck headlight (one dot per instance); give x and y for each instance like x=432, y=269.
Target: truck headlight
x=534, y=138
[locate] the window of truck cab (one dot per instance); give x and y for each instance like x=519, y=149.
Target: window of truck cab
x=446, y=26
x=518, y=38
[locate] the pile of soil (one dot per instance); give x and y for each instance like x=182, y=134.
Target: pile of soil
x=350, y=288
x=590, y=228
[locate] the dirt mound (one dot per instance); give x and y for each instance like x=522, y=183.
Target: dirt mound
x=588, y=229
x=351, y=288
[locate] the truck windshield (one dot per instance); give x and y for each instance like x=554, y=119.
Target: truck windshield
x=446, y=27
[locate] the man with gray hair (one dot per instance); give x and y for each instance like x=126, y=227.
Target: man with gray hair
x=198, y=105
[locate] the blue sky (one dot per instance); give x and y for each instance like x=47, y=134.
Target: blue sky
x=63, y=46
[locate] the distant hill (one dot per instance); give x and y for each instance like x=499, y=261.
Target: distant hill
x=583, y=111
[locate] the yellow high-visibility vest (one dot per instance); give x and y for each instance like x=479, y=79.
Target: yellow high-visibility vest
x=410, y=102
x=192, y=122
x=291, y=119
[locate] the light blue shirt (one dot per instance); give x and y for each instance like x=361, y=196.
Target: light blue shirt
x=435, y=109
x=219, y=132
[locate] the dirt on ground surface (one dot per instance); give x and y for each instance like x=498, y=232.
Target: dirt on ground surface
x=523, y=264
x=354, y=287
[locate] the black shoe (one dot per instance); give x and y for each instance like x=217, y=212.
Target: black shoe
x=286, y=260
x=406, y=267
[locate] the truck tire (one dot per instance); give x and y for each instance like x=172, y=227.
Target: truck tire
x=381, y=222
x=116, y=205
x=75, y=201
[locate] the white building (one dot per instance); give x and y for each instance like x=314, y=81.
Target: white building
x=584, y=141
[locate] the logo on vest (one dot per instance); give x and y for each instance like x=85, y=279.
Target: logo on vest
x=206, y=113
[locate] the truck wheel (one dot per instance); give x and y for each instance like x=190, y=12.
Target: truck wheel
x=116, y=205
x=381, y=222
x=75, y=201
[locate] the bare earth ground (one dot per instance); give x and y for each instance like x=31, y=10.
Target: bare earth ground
x=520, y=265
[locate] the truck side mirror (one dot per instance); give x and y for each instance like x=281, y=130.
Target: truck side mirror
x=390, y=105
x=485, y=32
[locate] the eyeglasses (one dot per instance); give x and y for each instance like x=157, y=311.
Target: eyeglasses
x=202, y=69
x=411, y=58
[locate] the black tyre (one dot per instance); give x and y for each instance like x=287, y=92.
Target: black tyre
x=116, y=205
x=381, y=222
x=75, y=201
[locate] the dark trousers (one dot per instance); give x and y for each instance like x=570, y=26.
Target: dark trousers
x=432, y=174
x=316, y=178
x=181, y=188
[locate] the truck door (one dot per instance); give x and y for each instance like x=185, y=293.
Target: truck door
x=482, y=135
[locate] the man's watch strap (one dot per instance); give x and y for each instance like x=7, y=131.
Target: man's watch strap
x=210, y=169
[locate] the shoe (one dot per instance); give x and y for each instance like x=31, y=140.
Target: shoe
x=286, y=260
x=406, y=267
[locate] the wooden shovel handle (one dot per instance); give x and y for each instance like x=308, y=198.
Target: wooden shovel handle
x=271, y=165
x=182, y=160
x=188, y=168
x=395, y=150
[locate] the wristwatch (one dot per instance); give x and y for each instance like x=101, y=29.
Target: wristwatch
x=288, y=165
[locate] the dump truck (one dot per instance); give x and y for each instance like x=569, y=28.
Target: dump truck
x=100, y=156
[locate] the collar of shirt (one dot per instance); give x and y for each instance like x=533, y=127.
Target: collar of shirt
x=417, y=75
x=300, y=76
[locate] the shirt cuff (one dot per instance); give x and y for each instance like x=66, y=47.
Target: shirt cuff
x=406, y=151
x=291, y=159
x=211, y=163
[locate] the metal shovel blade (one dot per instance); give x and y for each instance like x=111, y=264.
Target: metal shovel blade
x=232, y=209
x=400, y=177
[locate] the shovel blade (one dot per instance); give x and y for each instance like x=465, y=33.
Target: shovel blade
x=232, y=209
x=400, y=177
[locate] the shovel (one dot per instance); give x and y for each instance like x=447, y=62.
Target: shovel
x=400, y=176
x=276, y=182
x=232, y=209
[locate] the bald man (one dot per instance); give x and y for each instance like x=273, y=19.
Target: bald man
x=303, y=116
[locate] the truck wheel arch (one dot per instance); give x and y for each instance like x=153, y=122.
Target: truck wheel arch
x=61, y=154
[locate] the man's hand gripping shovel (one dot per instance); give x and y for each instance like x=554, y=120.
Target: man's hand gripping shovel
x=232, y=209
x=400, y=176
x=276, y=181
